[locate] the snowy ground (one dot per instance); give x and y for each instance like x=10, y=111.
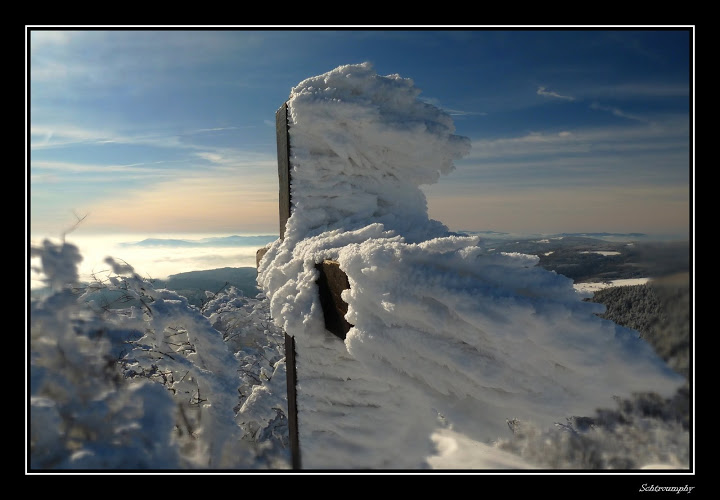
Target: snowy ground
x=458, y=452
x=594, y=287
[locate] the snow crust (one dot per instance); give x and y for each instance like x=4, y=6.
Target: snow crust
x=446, y=336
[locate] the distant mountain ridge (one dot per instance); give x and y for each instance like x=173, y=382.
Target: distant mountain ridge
x=597, y=235
x=218, y=241
x=581, y=258
x=194, y=284
x=605, y=235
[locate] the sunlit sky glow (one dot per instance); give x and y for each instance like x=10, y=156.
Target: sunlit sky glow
x=173, y=130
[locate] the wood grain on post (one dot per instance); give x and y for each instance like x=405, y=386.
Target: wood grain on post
x=292, y=401
x=331, y=283
x=283, y=154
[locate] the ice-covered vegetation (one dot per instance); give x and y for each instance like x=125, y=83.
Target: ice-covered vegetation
x=160, y=384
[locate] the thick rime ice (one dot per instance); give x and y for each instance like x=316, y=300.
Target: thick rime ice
x=445, y=334
x=361, y=144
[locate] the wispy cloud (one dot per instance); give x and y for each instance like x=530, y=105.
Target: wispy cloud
x=211, y=157
x=88, y=182
x=216, y=129
x=224, y=159
x=223, y=162
x=548, y=93
x=638, y=156
x=61, y=136
x=453, y=112
x=674, y=134
x=58, y=136
x=457, y=112
x=89, y=168
x=638, y=89
x=618, y=112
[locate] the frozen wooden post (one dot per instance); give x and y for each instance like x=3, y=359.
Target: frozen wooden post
x=283, y=155
x=331, y=282
x=283, y=152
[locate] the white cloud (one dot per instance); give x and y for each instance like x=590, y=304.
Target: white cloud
x=48, y=136
x=54, y=136
x=83, y=168
x=215, y=129
x=453, y=112
x=618, y=112
x=127, y=171
x=223, y=162
x=547, y=93
x=224, y=158
x=611, y=139
x=211, y=157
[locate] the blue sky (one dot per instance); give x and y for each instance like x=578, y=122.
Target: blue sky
x=172, y=130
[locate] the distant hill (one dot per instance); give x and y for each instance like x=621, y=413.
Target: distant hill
x=606, y=235
x=591, y=259
x=193, y=284
x=221, y=241
x=602, y=236
x=581, y=258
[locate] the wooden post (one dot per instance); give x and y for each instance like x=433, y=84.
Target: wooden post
x=283, y=152
x=331, y=283
x=292, y=401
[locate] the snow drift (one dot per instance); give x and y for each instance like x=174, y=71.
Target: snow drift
x=446, y=334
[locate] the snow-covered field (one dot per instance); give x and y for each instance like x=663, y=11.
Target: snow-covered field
x=593, y=287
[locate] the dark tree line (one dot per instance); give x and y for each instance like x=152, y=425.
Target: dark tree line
x=659, y=311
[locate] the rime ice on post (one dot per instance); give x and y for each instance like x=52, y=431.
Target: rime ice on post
x=442, y=332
